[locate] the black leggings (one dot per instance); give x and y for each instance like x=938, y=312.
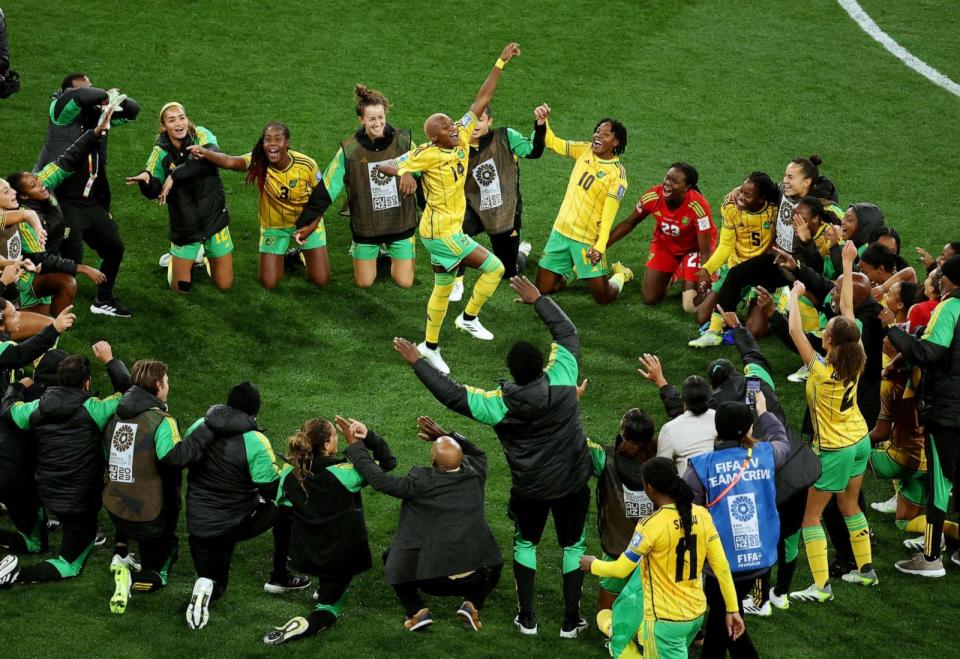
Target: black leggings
x=212, y=556
x=78, y=531
x=26, y=512
x=505, y=245
x=716, y=641
x=93, y=224
x=758, y=271
x=474, y=588
x=944, y=444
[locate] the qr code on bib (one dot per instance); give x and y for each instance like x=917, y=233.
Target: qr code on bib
x=120, y=474
x=383, y=203
x=746, y=541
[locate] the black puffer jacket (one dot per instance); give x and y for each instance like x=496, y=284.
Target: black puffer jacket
x=538, y=423
x=221, y=491
x=197, y=202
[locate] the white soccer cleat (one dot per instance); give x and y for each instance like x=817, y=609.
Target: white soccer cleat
x=433, y=358
x=473, y=328
x=525, y=247
x=165, y=259
x=707, y=340
x=457, y=293
x=750, y=607
x=813, y=593
x=198, y=611
x=781, y=602
x=121, y=580
x=799, y=376
x=887, y=507
x=9, y=570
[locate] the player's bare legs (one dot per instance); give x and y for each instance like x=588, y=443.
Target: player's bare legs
x=706, y=307
x=655, y=285
x=270, y=271
x=318, y=265
x=602, y=290
x=549, y=281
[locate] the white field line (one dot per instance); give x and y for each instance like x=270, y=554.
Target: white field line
x=869, y=26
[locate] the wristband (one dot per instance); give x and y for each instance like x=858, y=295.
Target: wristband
x=500, y=63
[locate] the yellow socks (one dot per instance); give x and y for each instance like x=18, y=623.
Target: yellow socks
x=491, y=272
x=815, y=542
x=437, y=306
x=859, y=539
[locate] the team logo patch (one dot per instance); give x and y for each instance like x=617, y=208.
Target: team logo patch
x=766, y=225
x=601, y=174
x=685, y=221
x=460, y=166
x=404, y=158
x=466, y=120
x=636, y=539
x=292, y=184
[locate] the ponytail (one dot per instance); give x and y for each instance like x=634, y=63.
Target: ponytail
x=368, y=98
x=305, y=444
x=661, y=475
x=846, y=352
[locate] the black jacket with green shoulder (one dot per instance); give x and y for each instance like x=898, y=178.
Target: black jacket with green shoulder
x=538, y=423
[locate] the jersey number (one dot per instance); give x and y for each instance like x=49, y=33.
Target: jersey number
x=455, y=175
x=586, y=180
x=284, y=192
x=669, y=229
x=755, y=238
x=847, y=402
x=682, y=549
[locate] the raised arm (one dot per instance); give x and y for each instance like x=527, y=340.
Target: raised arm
x=221, y=160
x=799, y=337
x=846, y=288
x=489, y=85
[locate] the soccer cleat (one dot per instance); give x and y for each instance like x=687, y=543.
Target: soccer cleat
x=868, y=578
x=916, y=544
x=706, y=340
x=433, y=357
x=456, y=293
x=109, y=308
x=418, y=620
x=469, y=616
x=573, y=627
x=165, y=259
x=526, y=624
x=121, y=580
x=525, y=248
x=750, y=607
x=200, y=258
x=198, y=611
x=288, y=584
x=887, y=507
x=814, y=594
x=921, y=567
x=620, y=269
x=9, y=570
x=800, y=375
x=781, y=602
x=955, y=557
x=294, y=628
x=473, y=328
x=100, y=539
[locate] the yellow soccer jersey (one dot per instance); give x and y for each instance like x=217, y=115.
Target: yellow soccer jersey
x=594, y=192
x=443, y=175
x=743, y=235
x=285, y=192
x=672, y=586
x=837, y=421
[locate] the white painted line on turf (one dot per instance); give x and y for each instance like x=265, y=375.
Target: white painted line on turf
x=869, y=26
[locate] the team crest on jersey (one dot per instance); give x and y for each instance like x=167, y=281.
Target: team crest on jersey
x=292, y=183
x=685, y=221
x=460, y=155
x=766, y=225
x=601, y=174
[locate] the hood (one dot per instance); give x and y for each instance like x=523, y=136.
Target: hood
x=733, y=388
x=62, y=402
x=378, y=144
x=45, y=372
x=137, y=401
x=825, y=189
x=225, y=420
x=869, y=218
x=629, y=471
x=529, y=401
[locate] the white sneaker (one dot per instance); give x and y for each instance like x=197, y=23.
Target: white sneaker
x=198, y=611
x=814, y=594
x=457, y=293
x=750, y=607
x=525, y=248
x=917, y=544
x=781, y=602
x=165, y=259
x=433, y=358
x=887, y=507
x=473, y=328
x=800, y=375
x=921, y=567
x=707, y=340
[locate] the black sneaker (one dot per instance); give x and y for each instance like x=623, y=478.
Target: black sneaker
x=293, y=258
x=288, y=584
x=109, y=307
x=526, y=623
x=572, y=627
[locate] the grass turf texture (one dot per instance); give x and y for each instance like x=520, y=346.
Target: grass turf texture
x=730, y=87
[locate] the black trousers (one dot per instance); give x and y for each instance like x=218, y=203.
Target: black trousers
x=212, y=556
x=78, y=531
x=758, y=271
x=505, y=245
x=791, y=520
x=716, y=642
x=474, y=588
x=156, y=540
x=26, y=512
x=942, y=447
x=93, y=224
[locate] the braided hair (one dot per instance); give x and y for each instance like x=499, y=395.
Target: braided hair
x=619, y=131
x=690, y=174
x=257, y=171
x=766, y=187
x=661, y=475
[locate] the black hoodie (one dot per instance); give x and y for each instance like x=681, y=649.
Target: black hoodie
x=869, y=219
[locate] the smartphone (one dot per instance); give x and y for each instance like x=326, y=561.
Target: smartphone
x=753, y=386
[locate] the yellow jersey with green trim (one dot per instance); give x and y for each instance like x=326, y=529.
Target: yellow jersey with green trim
x=286, y=191
x=443, y=177
x=834, y=413
x=594, y=192
x=743, y=235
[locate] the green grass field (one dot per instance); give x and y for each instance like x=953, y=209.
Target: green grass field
x=728, y=86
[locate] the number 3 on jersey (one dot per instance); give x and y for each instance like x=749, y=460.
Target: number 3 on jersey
x=284, y=193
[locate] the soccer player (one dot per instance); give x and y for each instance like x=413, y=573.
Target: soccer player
x=85, y=194
x=581, y=233
x=67, y=423
x=747, y=231
x=329, y=538
x=840, y=436
x=293, y=199
x=443, y=167
x=671, y=547
x=494, y=203
x=383, y=210
x=193, y=193
x=537, y=420
x=682, y=239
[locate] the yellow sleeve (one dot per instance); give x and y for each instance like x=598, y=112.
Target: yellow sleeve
x=718, y=563
x=610, y=207
x=727, y=243
x=247, y=158
x=417, y=159
x=465, y=127
x=564, y=147
x=618, y=569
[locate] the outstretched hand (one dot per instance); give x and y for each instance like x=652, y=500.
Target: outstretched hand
x=142, y=177
x=528, y=292
x=654, y=371
x=406, y=349
x=64, y=320
x=353, y=431
x=197, y=152
x=428, y=429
